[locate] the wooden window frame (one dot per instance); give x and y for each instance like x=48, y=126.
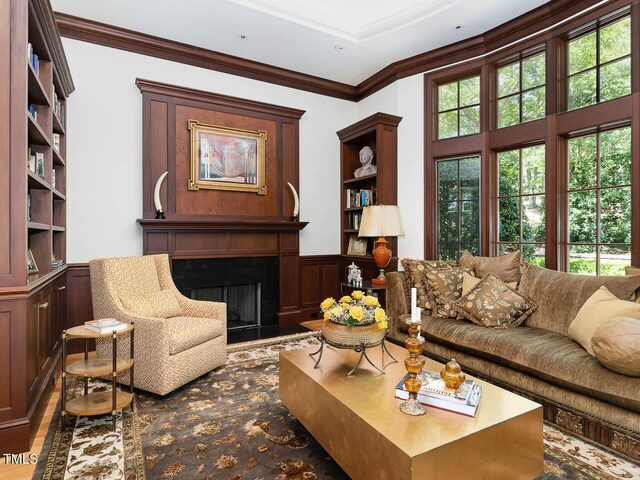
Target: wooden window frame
x=437, y=112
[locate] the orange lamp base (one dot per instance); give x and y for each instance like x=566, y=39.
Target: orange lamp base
x=382, y=257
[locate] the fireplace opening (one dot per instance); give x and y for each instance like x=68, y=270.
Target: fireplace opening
x=249, y=287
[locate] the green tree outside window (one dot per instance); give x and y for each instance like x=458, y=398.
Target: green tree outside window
x=459, y=108
x=521, y=90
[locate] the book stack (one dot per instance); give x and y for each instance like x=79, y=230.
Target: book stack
x=33, y=59
x=354, y=220
x=434, y=393
x=58, y=108
x=55, y=263
x=105, y=325
x=360, y=198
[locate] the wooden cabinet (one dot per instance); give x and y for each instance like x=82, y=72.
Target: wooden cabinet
x=378, y=132
x=33, y=213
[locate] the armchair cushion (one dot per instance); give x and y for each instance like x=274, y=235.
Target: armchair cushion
x=188, y=332
x=162, y=304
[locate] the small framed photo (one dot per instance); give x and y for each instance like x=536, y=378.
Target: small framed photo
x=31, y=263
x=357, y=246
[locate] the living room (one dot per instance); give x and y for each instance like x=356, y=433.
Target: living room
x=295, y=215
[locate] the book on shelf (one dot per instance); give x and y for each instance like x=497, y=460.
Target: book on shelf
x=53, y=177
x=56, y=141
x=105, y=325
x=40, y=164
x=354, y=220
x=32, y=57
x=31, y=160
x=32, y=111
x=28, y=207
x=464, y=401
x=360, y=198
x=58, y=108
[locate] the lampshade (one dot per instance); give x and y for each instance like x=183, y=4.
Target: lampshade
x=381, y=221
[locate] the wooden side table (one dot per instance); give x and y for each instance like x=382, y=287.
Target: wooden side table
x=96, y=403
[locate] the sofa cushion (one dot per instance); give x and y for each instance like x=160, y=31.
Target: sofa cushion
x=616, y=345
x=444, y=288
x=560, y=295
x=506, y=267
x=469, y=281
x=162, y=304
x=415, y=272
x=493, y=303
x=552, y=357
x=187, y=332
x=599, y=308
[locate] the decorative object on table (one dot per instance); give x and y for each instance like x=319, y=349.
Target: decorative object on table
x=433, y=392
x=354, y=278
x=452, y=375
x=357, y=246
x=413, y=364
x=156, y=196
x=366, y=159
x=32, y=267
x=296, y=203
x=224, y=158
x=102, y=402
x=381, y=221
x=355, y=322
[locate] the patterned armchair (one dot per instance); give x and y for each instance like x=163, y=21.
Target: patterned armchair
x=176, y=339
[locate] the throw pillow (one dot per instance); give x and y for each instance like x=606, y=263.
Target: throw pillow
x=505, y=267
x=161, y=304
x=601, y=307
x=469, y=281
x=415, y=270
x=633, y=271
x=616, y=344
x=444, y=288
x=493, y=303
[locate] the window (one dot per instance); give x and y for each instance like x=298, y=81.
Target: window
x=521, y=91
x=600, y=64
x=521, y=203
x=459, y=108
x=600, y=202
x=458, y=212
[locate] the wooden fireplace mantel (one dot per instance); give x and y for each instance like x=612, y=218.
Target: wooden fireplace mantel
x=243, y=225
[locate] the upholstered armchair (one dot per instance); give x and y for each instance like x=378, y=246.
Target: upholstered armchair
x=176, y=339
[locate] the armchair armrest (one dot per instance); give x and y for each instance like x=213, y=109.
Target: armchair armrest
x=203, y=309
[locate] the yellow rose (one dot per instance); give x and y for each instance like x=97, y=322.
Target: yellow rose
x=356, y=313
x=382, y=324
x=345, y=299
x=371, y=301
x=327, y=315
x=379, y=314
x=345, y=306
x=327, y=303
x=336, y=311
x=357, y=294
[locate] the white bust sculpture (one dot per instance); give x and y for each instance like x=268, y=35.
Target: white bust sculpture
x=366, y=157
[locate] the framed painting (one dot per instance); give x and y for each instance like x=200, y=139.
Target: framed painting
x=224, y=158
x=31, y=263
x=357, y=246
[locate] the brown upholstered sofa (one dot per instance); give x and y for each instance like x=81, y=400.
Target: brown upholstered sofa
x=539, y=360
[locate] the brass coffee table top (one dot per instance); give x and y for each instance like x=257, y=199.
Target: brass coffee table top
x=348, y=414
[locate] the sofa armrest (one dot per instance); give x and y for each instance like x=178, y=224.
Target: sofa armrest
x=396, y=300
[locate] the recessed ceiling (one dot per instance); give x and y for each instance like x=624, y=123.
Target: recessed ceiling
x=302, y=35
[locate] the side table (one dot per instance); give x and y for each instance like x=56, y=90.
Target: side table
x=375, y=289
x=96, y=403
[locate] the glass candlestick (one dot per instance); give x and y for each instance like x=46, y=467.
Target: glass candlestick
x=413, y=364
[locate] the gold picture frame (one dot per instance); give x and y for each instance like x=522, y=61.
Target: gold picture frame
x=224, y=158
x=357, y=246
x=32, y=267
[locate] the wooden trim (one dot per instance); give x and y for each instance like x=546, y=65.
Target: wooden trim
x=221, y=225
x=137, y=42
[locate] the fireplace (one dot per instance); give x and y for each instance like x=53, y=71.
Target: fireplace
x=249, y=287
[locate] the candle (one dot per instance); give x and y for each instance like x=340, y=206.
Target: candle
x=414, y=300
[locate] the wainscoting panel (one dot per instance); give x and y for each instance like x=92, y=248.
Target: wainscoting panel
x=319, y=279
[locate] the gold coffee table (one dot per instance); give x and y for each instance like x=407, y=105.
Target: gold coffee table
x=356, y=419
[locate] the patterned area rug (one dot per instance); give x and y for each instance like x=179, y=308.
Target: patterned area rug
x=230, y=424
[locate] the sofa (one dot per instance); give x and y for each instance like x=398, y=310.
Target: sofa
x=538, y=360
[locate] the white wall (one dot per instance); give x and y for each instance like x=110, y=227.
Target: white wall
x=405, y=99
x=104, y=150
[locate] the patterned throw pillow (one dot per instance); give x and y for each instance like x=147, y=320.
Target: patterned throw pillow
x=493, y=303
x=444, y=288
x=161, y=304
x=415, y=273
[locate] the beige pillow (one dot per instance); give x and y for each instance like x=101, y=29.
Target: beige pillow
x=601, y=307
x=616, y=344
x=415, y=270
x=505, y=267
x=162, y=304
x=444, y=288
x=633, y=271
x=493, y=303
x=469, y=281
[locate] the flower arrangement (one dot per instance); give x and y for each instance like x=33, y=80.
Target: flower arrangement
x=355, y=309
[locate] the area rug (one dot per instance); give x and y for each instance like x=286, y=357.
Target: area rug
x=230, y=424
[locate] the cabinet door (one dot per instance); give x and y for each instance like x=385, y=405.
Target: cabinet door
x=58, y=312
x=32, y=346
x=44, y=330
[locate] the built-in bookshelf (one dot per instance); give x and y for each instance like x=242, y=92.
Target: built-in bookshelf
x=379, y=132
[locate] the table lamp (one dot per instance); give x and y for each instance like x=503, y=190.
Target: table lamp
x=381, y=221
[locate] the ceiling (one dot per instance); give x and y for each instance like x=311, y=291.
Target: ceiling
x=304, y=35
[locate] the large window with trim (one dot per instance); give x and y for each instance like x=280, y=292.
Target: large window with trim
x=458, y=108
x=458, y=210
x=599, y=64
x=521, y=202
x=599, y=202
x=521, y=90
